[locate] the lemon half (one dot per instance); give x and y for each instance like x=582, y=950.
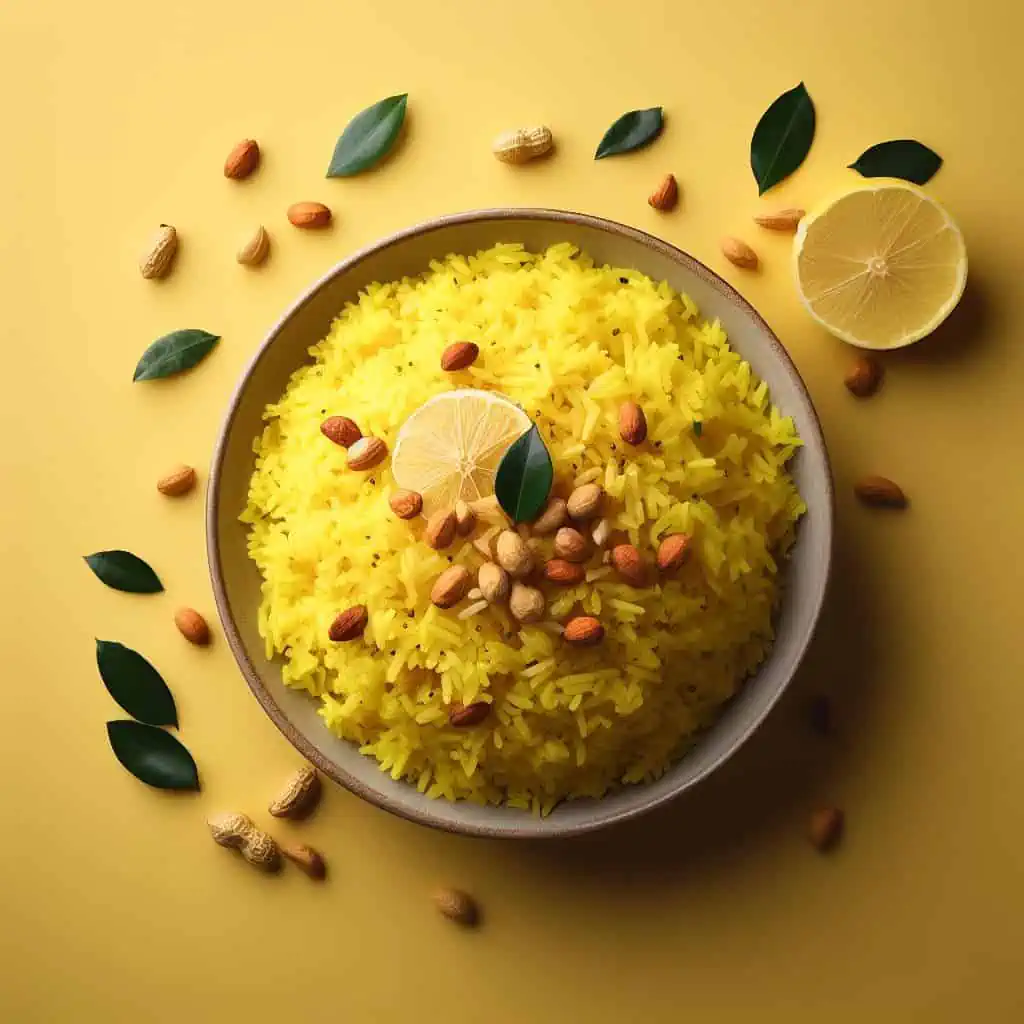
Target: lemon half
x=449, y=448
x=880, y=267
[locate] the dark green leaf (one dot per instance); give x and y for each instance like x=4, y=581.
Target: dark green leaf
x=135, y=684
x=899, y=158
x=152, y=755
x=631, y=131
x=124, y=571
x=782, y=138
x=524, y=477
x=367, y=137
x=698, y=428
x=173, y=353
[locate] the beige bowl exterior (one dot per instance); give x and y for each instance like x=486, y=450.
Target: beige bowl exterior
x=236, y=581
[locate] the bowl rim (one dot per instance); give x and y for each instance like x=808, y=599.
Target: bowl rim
x=522, y=829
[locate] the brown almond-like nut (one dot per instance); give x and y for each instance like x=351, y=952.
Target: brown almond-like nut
x=462, y=716
x=177, y=482
x=584, y=502
x=781, y=220
x=440, y=531
x=451, y=586
x=349, y=624
x=739, y=254
x=255, y=249
x=457, y=906
x=309, y=215
x=864, y=376
x=673, y=551
x=880, y=492
x=494, y=583
x=666, y=195
x=566, y=574
x=243, y=159
x=156, y=261
x=459, y=355
x=307, y=859
x=583, y=631
x=513, y=554
x=825, y=828
x=465, y=519
x=552, y=517
x=192, y=626
x=406, y=504
x=632, y=423
x=366, y=453
x=571, y=545
x=299, y=795
x=628, y=564
x=526, y=604
x=341, y=430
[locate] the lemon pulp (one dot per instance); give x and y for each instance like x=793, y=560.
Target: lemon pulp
x=449, y=449
x=880, y=267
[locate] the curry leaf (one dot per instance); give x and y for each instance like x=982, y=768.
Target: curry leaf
x=135, y=684
x=124, y=571
x=782, y=138
x=368, y=137
x=698, y=428
x=899, y=158
x=152, y=755
x=631, y=131
x=174, y=352
x=524, y=477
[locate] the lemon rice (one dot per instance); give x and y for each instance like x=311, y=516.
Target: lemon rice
x=567, y=342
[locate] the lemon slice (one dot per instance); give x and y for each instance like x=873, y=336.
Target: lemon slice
x=449, y=448
x=880, y=267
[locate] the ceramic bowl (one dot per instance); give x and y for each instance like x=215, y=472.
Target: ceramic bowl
x=237, y=584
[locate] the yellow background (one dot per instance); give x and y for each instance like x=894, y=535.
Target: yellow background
x=114, y=903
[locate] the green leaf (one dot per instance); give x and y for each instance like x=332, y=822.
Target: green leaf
x=152, y=755
x=367, y=137
x=524, y=477
x=698, y=428
x=174, y=352
x=135, y=684
x=782, y=138
x=899, y=158
x=631, y=131
x=124, y=571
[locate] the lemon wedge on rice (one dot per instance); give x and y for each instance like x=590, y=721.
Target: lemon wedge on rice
x=449, y=448
x=880, y=267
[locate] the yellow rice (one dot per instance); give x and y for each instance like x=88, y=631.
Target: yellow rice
x=569, y=341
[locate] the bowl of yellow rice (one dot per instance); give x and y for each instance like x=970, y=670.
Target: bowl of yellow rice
x=594, y=693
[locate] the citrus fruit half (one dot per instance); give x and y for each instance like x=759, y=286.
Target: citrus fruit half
x=880, y=267
x=449, y=448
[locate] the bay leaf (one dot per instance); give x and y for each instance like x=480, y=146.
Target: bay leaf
x=368, y=137
x=152, y=755
x=524, y=477
x=135, y=684
x=174, y=353
x=782, y=138
x=124, y=571
x=899, y=158
x=633, y=130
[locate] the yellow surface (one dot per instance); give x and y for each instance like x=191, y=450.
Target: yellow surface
x=115, y=904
